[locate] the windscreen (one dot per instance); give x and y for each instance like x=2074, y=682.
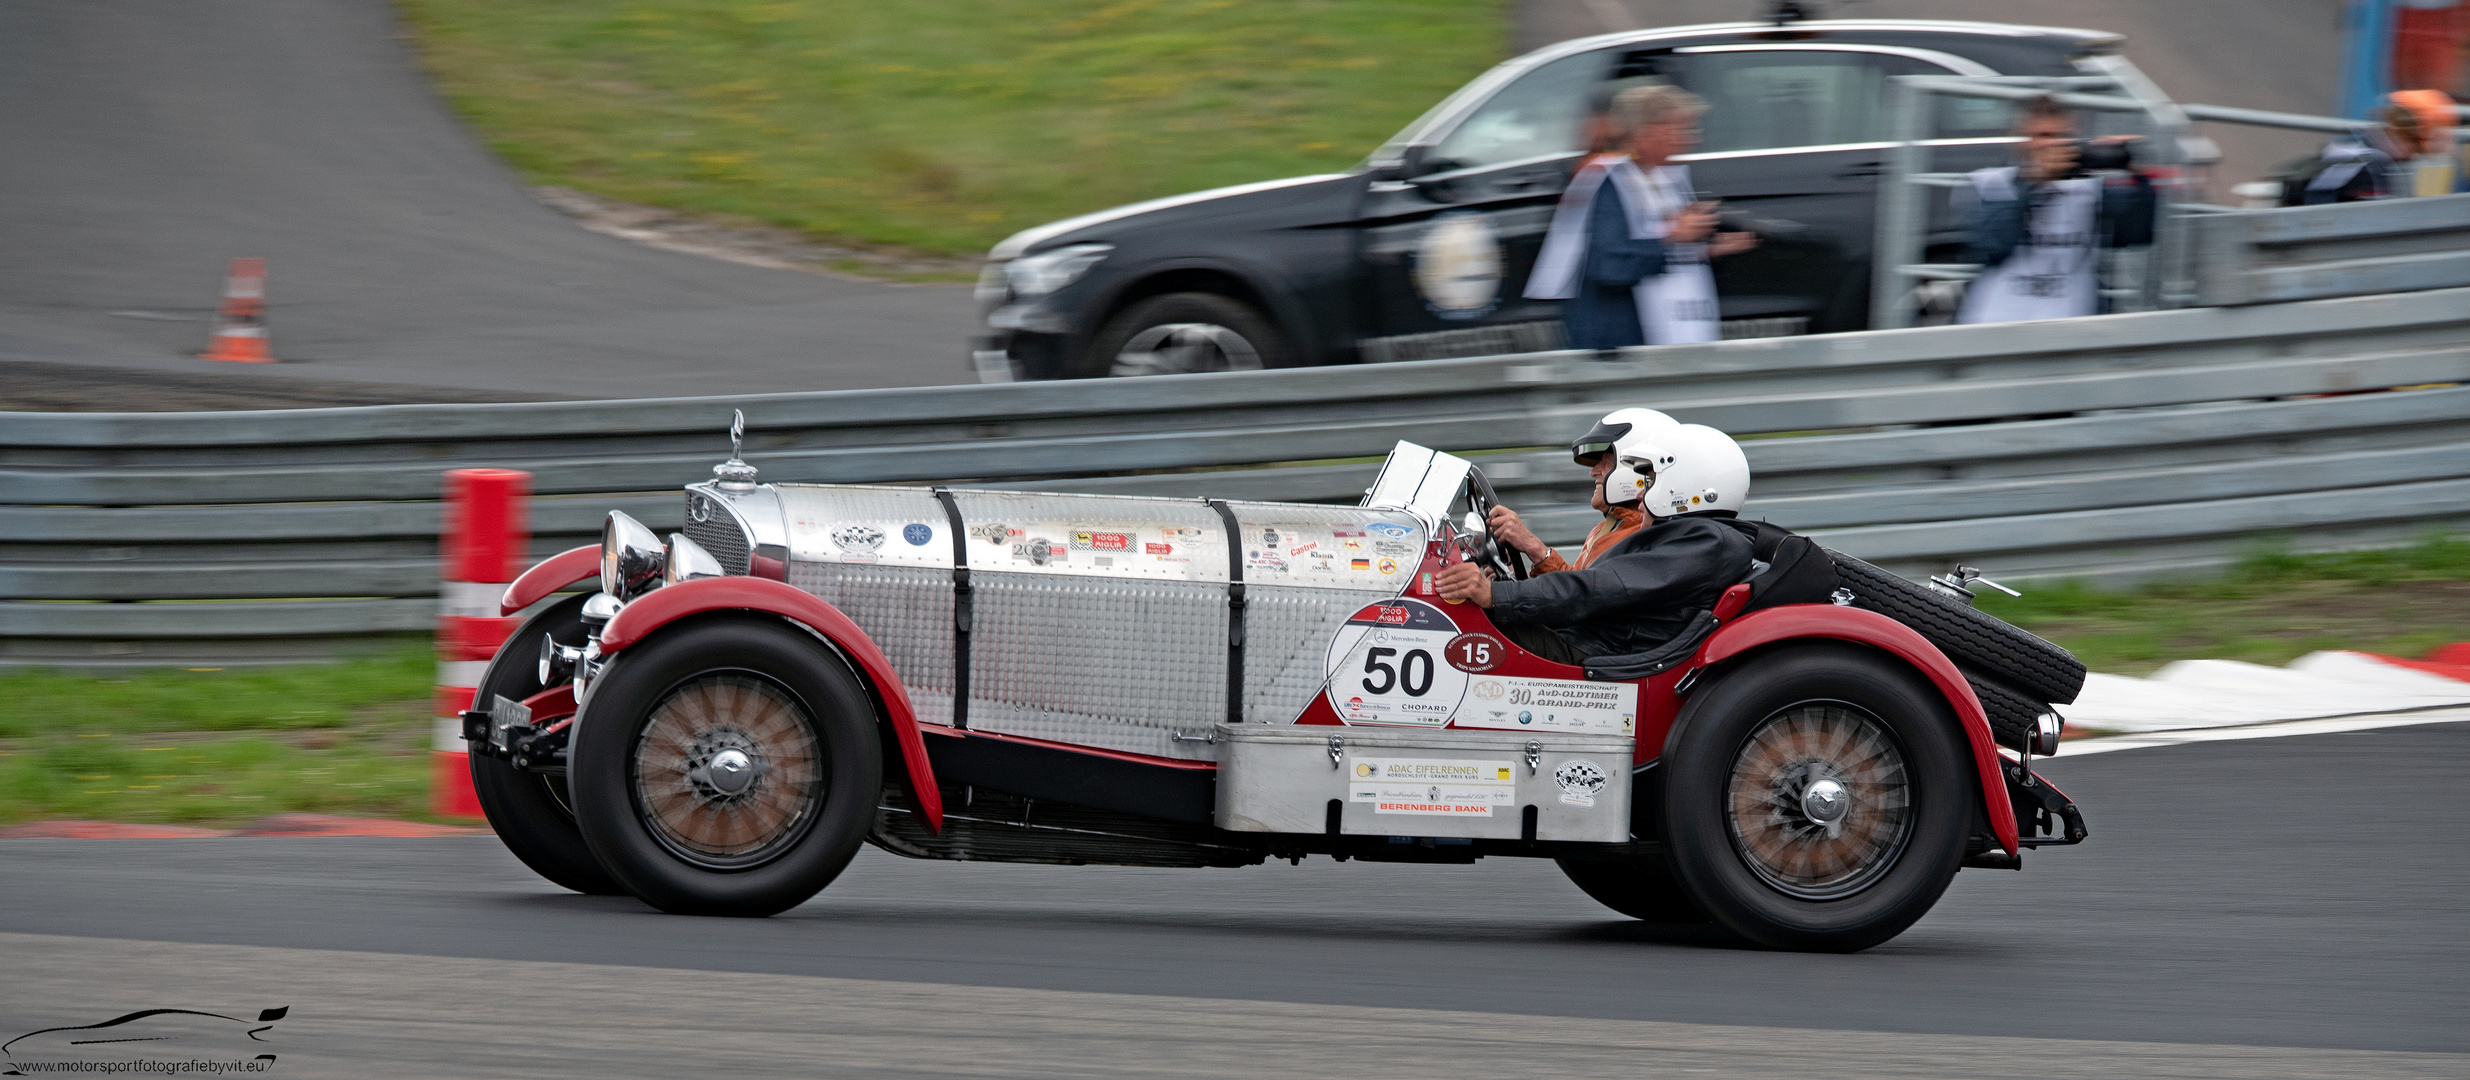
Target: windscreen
x=1420, y=480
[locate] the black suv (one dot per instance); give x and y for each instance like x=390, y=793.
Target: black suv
x=1423, y=250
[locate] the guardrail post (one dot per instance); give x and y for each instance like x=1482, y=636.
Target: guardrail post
x=1901, y=206
x=481, y=549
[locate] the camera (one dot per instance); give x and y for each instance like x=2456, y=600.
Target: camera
x=2093, y=157
x=1764, y=228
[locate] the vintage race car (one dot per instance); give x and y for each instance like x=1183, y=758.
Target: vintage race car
x=1024, y=677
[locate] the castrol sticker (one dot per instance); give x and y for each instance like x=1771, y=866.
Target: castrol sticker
x=1432, y=787
x=1387, y=666
x=1522, y=704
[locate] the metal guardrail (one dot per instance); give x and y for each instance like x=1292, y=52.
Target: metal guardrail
x=2350, y=249
x=2116, y=445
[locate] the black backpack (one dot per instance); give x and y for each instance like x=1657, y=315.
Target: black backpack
x=1789, y=568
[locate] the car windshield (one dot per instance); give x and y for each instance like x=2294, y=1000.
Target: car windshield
x=1525, y=104
x=1543, y=113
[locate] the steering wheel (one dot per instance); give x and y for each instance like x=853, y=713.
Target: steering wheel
x=1481, y=548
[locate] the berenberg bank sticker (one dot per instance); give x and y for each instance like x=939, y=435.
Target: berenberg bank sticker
x=1433, y=786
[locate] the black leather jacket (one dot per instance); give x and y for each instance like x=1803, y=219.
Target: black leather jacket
x=1637, y=595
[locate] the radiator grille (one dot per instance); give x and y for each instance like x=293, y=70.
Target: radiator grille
x=718, y=533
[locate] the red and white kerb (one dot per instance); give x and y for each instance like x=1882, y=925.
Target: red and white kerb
x=487, y=533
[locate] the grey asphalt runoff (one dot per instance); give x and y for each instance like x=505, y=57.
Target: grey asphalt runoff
x=149, y=142
x=2301, y=892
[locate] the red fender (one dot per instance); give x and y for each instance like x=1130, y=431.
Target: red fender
x=670, y=603
x=1880, y=632
x=549, y=575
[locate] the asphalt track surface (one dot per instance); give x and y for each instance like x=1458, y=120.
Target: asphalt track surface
x=149, y=142
x=2279, y=907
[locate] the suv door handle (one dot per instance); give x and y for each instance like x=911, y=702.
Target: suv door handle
x=1867, y=170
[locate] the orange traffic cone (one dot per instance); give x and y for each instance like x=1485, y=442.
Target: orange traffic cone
x=240, y=331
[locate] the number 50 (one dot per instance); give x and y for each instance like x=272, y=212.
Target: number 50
x=1405, y=676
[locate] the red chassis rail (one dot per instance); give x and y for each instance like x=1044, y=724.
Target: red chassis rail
x=668, y=604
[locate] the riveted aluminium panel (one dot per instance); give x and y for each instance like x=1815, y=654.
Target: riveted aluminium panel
x=851, y=524
x=1328, y=547
x=907, y=610
x=1116, y=663
x=1287, y=633
x=1102, y=536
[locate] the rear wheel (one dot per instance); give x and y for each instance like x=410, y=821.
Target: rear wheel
x=727, y=767
x=1818, y=798
x=1184, y=333
x=531, y=813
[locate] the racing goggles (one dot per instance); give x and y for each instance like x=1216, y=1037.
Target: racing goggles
x=1596, y=442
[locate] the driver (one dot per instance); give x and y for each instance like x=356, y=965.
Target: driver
x=1616, y=492
x=1637, y=592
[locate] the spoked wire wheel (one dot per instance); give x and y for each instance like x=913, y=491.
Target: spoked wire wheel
x=1185, y=348
x=1820, y=801
x=728, y=771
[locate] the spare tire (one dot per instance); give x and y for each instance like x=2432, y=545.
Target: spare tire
x=1970, y=638
x=2013, y=716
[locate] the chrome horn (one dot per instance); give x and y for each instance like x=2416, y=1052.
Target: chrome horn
x=687, y=559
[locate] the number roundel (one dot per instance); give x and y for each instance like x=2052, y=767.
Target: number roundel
x=1475, y=652
x=1389, y=665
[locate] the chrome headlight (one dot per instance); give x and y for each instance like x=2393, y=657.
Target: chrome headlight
x=631, y=559
x=687, y=559
x=1033, y=276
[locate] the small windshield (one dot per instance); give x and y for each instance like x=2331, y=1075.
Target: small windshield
x=1420, y=480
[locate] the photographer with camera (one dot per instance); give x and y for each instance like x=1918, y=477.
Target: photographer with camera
x=2038, y=226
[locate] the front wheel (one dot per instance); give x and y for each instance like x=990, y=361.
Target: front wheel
x=1818, y=798
x=729, y=766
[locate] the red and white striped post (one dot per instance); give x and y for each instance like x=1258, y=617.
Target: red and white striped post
x=487, y=533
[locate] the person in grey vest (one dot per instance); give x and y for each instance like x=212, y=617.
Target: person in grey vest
x=1627, y=250
x=2037, y=227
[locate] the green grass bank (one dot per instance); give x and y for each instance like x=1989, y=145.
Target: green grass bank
x=939, y=125
x=217, y=746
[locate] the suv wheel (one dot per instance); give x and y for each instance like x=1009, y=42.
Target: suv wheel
x=1184, y=333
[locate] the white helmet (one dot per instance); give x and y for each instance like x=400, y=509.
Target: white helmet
x=1621, y=432
x=1690, y=468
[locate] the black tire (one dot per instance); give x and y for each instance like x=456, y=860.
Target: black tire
x=1234, y=327
x=2013, y=716
x=531, y=813
x=1971, y=638
x=668, y=709
x=1641, y=888
x=1750, y=747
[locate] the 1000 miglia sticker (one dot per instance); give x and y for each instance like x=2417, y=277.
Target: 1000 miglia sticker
x=1404, y=663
